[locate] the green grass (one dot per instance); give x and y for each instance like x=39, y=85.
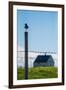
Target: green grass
x=38, y=73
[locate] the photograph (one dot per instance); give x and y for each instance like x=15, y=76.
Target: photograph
x=42, y=39
x=36, y=44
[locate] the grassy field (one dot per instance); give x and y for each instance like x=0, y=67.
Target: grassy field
x=38, y=73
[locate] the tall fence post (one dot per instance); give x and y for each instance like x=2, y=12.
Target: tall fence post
x=26, y=52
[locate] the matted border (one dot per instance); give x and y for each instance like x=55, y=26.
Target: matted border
x=11, y=43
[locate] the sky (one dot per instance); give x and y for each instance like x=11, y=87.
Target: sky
x=42, y=31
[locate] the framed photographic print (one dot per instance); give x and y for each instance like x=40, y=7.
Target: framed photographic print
x=36, y=44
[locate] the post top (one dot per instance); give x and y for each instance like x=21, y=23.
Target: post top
x=26, y=26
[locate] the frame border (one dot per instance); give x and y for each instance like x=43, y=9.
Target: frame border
x=11, y=3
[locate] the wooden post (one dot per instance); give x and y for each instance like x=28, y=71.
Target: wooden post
x=26, y=55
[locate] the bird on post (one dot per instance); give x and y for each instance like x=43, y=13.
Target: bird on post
x=26, y=26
